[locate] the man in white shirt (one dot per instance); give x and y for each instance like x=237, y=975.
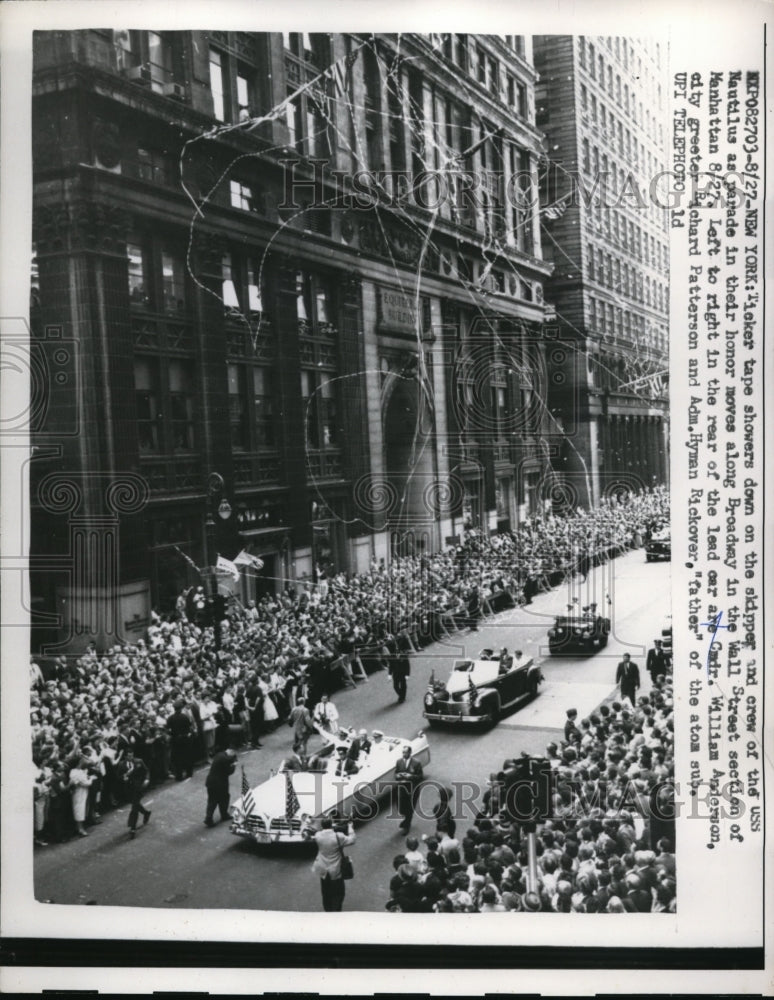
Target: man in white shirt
x=326, y=715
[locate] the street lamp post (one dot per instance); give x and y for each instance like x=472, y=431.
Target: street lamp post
x=210, y=553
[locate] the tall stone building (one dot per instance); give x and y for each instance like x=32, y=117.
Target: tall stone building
x=298, y=308
x=601, y=102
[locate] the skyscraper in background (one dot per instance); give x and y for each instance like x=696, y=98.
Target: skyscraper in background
x=601, y=102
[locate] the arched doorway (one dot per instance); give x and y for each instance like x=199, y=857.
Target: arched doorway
x=408, y=454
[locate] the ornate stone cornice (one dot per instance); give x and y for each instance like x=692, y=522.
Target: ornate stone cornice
x=80, y=225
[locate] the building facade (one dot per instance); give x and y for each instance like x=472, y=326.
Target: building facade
x=601, y=103
x=299, y=284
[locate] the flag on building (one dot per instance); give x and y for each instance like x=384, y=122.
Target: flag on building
x=339, y=72
x=558, y=208
x=226, y=568
x=226, y=576
x=246, y=559
x=292, y=805
x=319, y=99
x=247, y=796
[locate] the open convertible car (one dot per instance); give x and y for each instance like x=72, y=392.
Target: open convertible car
x=479, y=691
x=583, y=632
x=659, y=546
x=288, y=806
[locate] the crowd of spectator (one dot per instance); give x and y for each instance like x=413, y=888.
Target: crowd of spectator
x=188, y=689
x=608, y=848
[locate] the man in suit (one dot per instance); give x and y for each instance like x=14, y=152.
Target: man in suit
x=223, y=764
x=137, y=779
x=656, y=662
x=400, y=668
x=303, y=726
x=181, y=734
x=627, y=677
x=409, y=776
x=360, y=745
x=254, y=701
x=345, y=765
x=506, y=662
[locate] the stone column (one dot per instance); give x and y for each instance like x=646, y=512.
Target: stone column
x=95, y=605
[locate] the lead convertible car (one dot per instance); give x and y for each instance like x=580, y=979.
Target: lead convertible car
x=660, y=546
x=287, y=807
x=479, y=691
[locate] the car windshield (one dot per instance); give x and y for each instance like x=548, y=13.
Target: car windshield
x=464, y=665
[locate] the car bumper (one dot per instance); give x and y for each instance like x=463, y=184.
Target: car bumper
x=261, y=837
x=458, y=719
x=570, y=646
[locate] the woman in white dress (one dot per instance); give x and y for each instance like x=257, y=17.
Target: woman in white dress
x=80, y=782
x=207, y=710
x=270, y=713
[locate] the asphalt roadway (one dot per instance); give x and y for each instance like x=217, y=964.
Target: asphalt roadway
x=176, y=861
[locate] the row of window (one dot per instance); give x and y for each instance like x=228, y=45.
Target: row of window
x=165, y=386
x=486, y=69
x=401, y=132
x=165, y=393
x=611, y=130
x=150, y=57
x=614, y=320
x=645, y=94
x=234, y=86
x=156, y=278
x=628, y=236
x=618, y=184
x=626, y=53
x=507, y=393
x=611, y=271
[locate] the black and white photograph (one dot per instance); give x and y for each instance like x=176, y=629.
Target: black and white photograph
x=365, y=379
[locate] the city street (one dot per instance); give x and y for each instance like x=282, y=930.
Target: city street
x=178, y=862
